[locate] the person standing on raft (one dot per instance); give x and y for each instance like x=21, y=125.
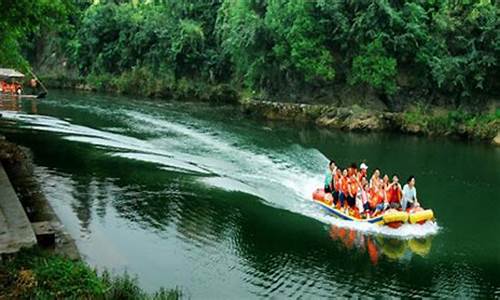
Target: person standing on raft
x=330, y=172
x=329, y=181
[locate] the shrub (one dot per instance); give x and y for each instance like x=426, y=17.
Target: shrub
x=37, y=274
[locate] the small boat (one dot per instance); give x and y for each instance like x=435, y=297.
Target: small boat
x=391, y=218
x=11, y=86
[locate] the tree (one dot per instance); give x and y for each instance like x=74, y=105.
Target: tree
x=20, y=19
x=374, y=67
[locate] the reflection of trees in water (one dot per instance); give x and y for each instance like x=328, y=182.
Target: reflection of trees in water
x=139, y=192
x=153, y=204
x=13, y=103
x=90, y=192
x=84, y=194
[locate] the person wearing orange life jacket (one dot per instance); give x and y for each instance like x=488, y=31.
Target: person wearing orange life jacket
x=394, y=193
x=374, y=199
x=384, y=185
x=378, y=200
x=363, y=199
x=353, y=169
x=344, y=186
x=336, y=185
x=375, y=179
x=353, y=186
x=363, y=173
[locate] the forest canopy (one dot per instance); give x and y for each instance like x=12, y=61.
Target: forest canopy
x=272, y=46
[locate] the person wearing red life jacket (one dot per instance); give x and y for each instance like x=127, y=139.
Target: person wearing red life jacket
x=394, y=193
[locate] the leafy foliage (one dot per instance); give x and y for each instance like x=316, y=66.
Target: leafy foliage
x=448, y=45
x=20, y=19
x=167, y=38
x=458, y=122
x=375, y=68
x=272, y=46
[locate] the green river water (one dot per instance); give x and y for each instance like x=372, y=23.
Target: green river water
x=202, y=198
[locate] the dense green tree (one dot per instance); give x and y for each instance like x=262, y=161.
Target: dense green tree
x=375, y=68
x=167, y=37
x=277, y=47
x=21, y=20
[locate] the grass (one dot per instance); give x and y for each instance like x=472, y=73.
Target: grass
x=38, y=274
x=142, y=81
x=457, y=122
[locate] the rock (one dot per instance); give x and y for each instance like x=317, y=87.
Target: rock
x=461, y=129
x=496, y=140
x=413, y=128
x=332, y=113
x=343, y=113
x=367, y=123
x=326, y=121
x=360, y=118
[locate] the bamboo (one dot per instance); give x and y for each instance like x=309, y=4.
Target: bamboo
x=36, y=78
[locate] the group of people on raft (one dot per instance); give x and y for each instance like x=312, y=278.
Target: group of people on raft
x=350, y=189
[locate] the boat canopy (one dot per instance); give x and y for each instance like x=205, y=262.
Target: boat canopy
x=10, y=73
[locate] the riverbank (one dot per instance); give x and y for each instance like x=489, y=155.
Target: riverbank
x=56, y=271
x=431, y=121
x=417, y=119
x=142, y=82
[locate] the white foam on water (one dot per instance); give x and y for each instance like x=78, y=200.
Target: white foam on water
x=276, y=179
x=406, y=231
x=284, y=179
x=165, y=161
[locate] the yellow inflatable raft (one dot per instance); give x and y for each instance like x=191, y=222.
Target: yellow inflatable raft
x=395, y=216
x=421, y=216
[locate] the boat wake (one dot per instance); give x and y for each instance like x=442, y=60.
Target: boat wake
x=283, y=177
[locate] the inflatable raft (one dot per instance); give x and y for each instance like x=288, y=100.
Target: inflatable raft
x=391, y=218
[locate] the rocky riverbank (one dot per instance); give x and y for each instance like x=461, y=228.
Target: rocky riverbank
x=419, y=120
x=416, y=120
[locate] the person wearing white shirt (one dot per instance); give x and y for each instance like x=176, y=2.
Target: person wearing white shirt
x=409, y=199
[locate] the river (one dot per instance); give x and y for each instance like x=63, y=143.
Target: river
x=202, y=198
